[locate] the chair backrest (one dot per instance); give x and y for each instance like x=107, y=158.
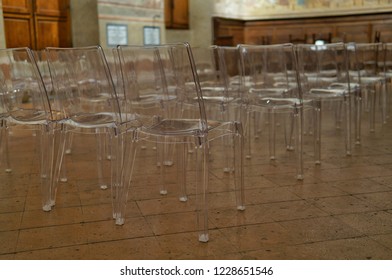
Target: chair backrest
x=230, y=71
x=388, y=59
x=219, y=73
x=161, y=82
x=268, y=71
x=370, y=59
x=323, y=66
x=82, y=82
x=23, y=97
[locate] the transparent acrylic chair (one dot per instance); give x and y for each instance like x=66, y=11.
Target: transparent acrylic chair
x=25, y=104
x=269, y=85
x=177, y=117
x=368, y=71
x=324, y=77
x=221, y=98
x=84, y=92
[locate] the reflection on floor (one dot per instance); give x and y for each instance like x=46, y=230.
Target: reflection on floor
x=341, y=210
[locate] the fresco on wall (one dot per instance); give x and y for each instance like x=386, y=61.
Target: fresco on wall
x=295, y=8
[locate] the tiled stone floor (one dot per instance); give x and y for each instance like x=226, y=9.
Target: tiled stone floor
x=341, y=210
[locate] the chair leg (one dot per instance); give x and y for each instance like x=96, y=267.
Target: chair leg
x=384, y=102
x=289, y=127
x=298, y=120
x=4, y=146
x=100, y=140
x=272, y=133
x=182, y=170
x=372, y=112
x=162, y=148
x=122, y=164
x=317, y=132
x=202, y=153
x=238, y=145
x=52, y=141
x=357, y=115
x=347, y=112
x=246, y=116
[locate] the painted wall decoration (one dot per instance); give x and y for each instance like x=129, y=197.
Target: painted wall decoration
x=248, y=9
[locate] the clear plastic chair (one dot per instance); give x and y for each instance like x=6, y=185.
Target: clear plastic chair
x=25, y=104
x=221, y=98
x=367, y=70
x=84, y=92
x=161, y=87
x=324, y=77
x=269, y=84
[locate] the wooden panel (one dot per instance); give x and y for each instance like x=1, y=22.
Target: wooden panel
x=356, y=28
x=176, y=14
x=256, y=35
x=19, y=32
x=385, y=30
x=354, y=32
x=50, y=33
x=17, y=6
x=47, y=25
x=52, y=8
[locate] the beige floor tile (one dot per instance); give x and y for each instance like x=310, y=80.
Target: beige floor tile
x=256, y=237
x=383, y=239
x=320, y=229
x=108, y=230
x=361, y=248
x=51, y=237
x=79, y=252
x=173, y=223
x=57, y=216
x=10, y=221
x=12, y=204
x=8, y=240
x=267, y=195
x=383, y=200
x=369, y=223
x=307, y=191
x=146, y=248
x=186, y=246
x=342, y=204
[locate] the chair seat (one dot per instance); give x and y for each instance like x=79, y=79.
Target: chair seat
x=29, y=116
x=329, y=93
x=91, y=120
x=276, y=102
x=178, y=127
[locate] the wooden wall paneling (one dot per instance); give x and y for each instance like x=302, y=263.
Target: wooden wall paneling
x=17, y=6
x=176, y=14
x=37, y=23
x=258, y=34
x=324, y=32
x=229, y=31
x=384, y=28
x=48, y=30
x=52, y=8
x=357, y=28
x=354, y=32
x=20, y=31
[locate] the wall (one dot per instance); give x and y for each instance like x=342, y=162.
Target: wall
x=200, y=25
x=127, y=20
x=2, y=36
x=84, y=22
x=265, y=9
